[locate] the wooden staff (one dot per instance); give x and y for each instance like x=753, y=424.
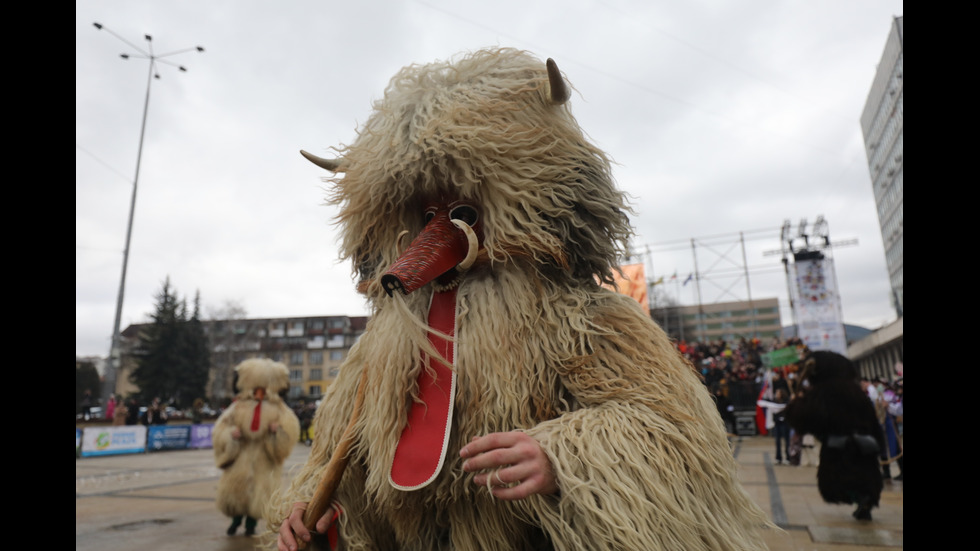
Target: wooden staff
x=334, y=470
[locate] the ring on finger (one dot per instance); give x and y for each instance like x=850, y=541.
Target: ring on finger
x=496, y=475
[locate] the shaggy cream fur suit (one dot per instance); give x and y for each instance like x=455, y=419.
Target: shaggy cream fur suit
x=251, y=454
x=635, y=442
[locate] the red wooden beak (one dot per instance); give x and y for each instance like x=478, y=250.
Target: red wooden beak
x=435, y=252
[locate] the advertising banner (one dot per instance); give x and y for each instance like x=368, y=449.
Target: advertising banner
x=201, y=436
x=111, y=440
x=817, y=306
x=168, y=437
x=633, y=283
x=780, y=357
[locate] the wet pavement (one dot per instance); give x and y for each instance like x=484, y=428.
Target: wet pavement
x=164, y=501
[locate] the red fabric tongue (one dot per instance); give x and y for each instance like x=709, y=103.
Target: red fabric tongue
x=256, y=416
x=422, y=447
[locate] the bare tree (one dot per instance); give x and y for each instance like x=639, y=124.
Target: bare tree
x=229, y=335
x=665, y=311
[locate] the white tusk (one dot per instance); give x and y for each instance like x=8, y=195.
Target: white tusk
x=398, y=241
x=474, y=245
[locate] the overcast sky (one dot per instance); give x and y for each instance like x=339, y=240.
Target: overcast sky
x=725, y=119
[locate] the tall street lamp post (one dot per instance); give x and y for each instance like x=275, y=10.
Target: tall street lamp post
x=113, y=365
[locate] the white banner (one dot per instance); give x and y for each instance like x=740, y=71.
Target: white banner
x=110, y=440
x=817, y=306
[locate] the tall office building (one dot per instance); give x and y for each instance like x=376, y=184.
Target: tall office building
x=882, y=123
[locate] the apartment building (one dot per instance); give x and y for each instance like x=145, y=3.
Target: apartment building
x=730, y=321
x=313, y=349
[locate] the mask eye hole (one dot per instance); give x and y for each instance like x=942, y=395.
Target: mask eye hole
x=464, y=213
x=429, y=215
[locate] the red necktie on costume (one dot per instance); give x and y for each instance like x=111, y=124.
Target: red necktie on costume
x=422, y=447
x=257, y=416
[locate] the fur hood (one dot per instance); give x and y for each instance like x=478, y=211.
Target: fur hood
x=483, y=128
x=261, y=373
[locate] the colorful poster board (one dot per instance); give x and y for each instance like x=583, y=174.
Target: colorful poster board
x=168, y=437
x=632, y=283
x=111, y=440
x=200, y=436
x=780, y=357
x=817, y=305
x=108, y=440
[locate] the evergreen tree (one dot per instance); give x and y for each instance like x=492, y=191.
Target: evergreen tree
x=174, y=363
x=86, y=379
x=192, y=377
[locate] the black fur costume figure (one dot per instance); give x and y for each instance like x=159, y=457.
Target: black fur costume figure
x=842, y=417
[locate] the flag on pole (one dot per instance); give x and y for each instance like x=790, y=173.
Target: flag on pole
x=689, y=278
x=673, y=277
x=658, y=282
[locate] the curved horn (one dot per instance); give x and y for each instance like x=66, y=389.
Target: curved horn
x=559, y=90
x=333, y=165
x=473, y=248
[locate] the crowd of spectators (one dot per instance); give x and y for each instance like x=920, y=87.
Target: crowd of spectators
x=737, y=373
x=736, y=370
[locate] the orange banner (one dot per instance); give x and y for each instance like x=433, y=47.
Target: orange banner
x=633, y=283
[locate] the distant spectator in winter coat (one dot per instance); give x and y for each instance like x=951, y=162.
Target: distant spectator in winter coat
x=156, y=414
x=120, y=415
x=110, y=407
x=133, y=413
x=776, y=423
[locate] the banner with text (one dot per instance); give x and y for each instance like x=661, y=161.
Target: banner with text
x=200, y=436
x=817, y=305
x=168, y=437
x=111, y=440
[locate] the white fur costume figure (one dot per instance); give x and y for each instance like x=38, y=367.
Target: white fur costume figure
x=252, y=439
x=511, y=402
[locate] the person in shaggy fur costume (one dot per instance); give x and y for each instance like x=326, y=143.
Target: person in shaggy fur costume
x=842, y=417
x=251, y=440
x=511, y=401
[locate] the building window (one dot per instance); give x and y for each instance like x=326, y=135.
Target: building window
x=296, y=375
x=296, y=358
x=332, y=373
x=316, y=374
x=316, y=357
x=336, y=355
x=314, y=390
